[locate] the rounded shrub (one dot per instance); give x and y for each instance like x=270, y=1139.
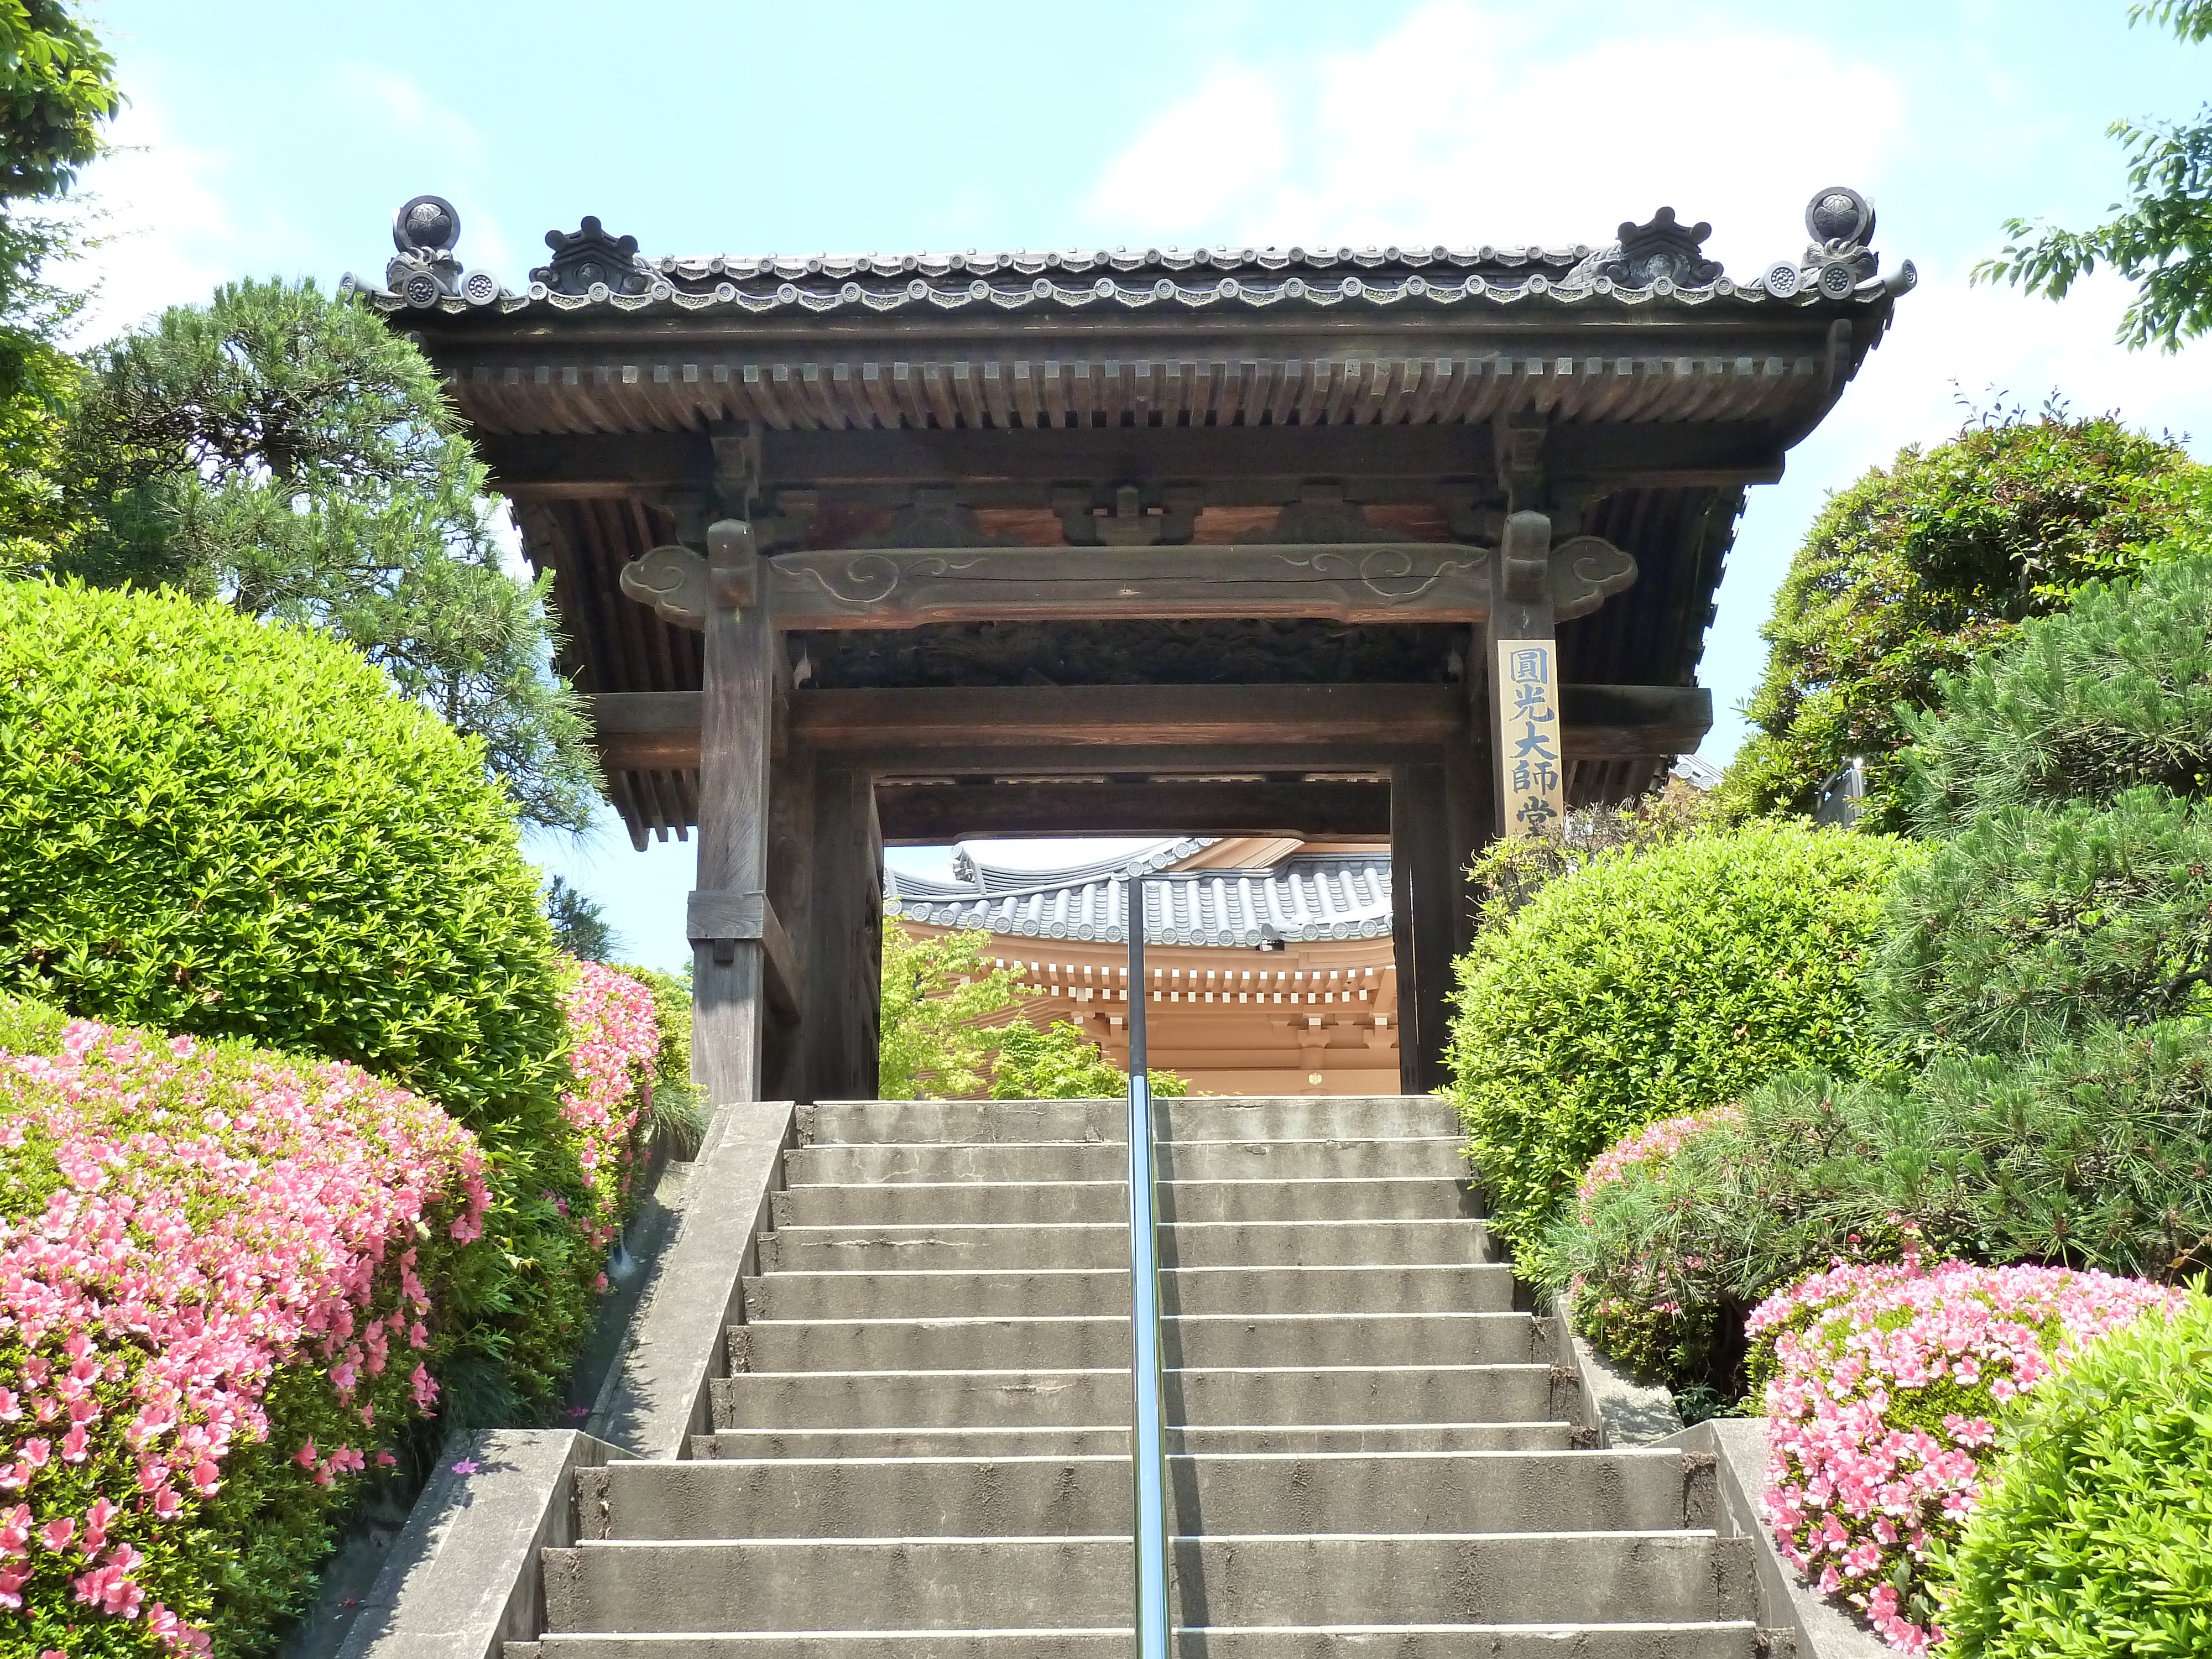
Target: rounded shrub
x=1646, y=985
x=217, y=826
x=2094, y=1538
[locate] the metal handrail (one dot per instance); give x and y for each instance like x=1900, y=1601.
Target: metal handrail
x=1147, y=1434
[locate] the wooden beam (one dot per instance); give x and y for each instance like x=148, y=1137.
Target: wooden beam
x=1349, y=582
x=936, y=816
x=1240, y=465
x=1105, y=727
x=1337, y=581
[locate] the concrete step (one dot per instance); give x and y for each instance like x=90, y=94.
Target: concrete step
x=972, y=1203
x=1716, y=1639
x=1090, y=1343
x=1007, y=1245
x=1251, y=1160
x=1039, y=1292
x=1045, y=1398
x=1073, y=1496
x=1106, y=1440
x=848, y=1123
x=954, y=1583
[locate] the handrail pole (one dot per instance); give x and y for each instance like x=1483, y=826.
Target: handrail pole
x=1147, y=1437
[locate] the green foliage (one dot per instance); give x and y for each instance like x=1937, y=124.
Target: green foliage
x=2116, y=693
x=1648, y=985
x=1059, y=1062
x=678, y=1114
x=289, y=454
x=2089, y=1154
x=2032, y=924
x=28, y=1026
x=57, y=90
x=936, y=992
x=2159, y=237
x=1513, y=869
x=580, y=923
x=214, y=825
x=2091, y=1543
x=1917, y=570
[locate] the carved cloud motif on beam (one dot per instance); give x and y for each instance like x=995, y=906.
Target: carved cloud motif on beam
x=1585, y=572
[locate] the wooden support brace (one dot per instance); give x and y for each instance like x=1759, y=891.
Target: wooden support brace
x=722, y=918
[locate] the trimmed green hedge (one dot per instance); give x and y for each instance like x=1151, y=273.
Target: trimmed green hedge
x=1646, y=986
x=2095, y=1539
x=214, y=825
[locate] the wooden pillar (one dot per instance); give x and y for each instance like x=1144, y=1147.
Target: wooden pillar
x=791, y=899
x=732, y=925
x=1520, y=660
x=844, y=964
x=1425, y=886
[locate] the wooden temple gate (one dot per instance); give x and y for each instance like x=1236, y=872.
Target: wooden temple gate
x=858, y=551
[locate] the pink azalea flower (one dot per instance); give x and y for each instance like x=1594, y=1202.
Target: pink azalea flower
x=1859, y=1500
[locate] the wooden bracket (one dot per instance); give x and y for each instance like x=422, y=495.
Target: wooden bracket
x=724, y=920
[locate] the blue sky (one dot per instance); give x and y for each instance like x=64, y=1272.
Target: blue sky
x=268, y=137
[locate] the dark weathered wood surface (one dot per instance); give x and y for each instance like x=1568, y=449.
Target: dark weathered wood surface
x=1427, y=882
x=844, y=954
x=915, y=730
x=935, y=816
x=730, y=974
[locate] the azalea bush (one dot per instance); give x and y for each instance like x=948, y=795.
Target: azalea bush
x=1884, y=1387
x=228, y=828
x=614, y=1042
x=2095, y=1537
x=676, y=1112
x=1649, y=984
x=226, y=1279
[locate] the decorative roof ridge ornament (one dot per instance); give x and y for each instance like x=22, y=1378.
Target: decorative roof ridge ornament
x=424, y=272
x=1663, y=249
x=1840, y=221
x=587, y=257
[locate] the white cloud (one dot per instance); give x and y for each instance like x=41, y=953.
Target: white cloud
x=1458, y=119
x=168, y=235
x=1468, y=120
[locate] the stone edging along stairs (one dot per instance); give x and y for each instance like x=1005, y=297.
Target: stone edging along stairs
x=920, y=1449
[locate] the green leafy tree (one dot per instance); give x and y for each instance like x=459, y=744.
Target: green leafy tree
x=1916, y=570
x=285, y=452
x=1059, y=1062
x=2159, y=237
x=57, y=93
x=938, y=992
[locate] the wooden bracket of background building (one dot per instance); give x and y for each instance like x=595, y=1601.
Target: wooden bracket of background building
x=1344, y=582
x=725, y=918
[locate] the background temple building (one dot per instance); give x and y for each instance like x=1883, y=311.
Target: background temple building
x=1273, y=977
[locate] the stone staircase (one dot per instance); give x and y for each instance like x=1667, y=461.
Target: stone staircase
x=922, y=1450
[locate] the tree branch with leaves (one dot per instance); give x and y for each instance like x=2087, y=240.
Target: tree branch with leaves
x=2159, y=236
